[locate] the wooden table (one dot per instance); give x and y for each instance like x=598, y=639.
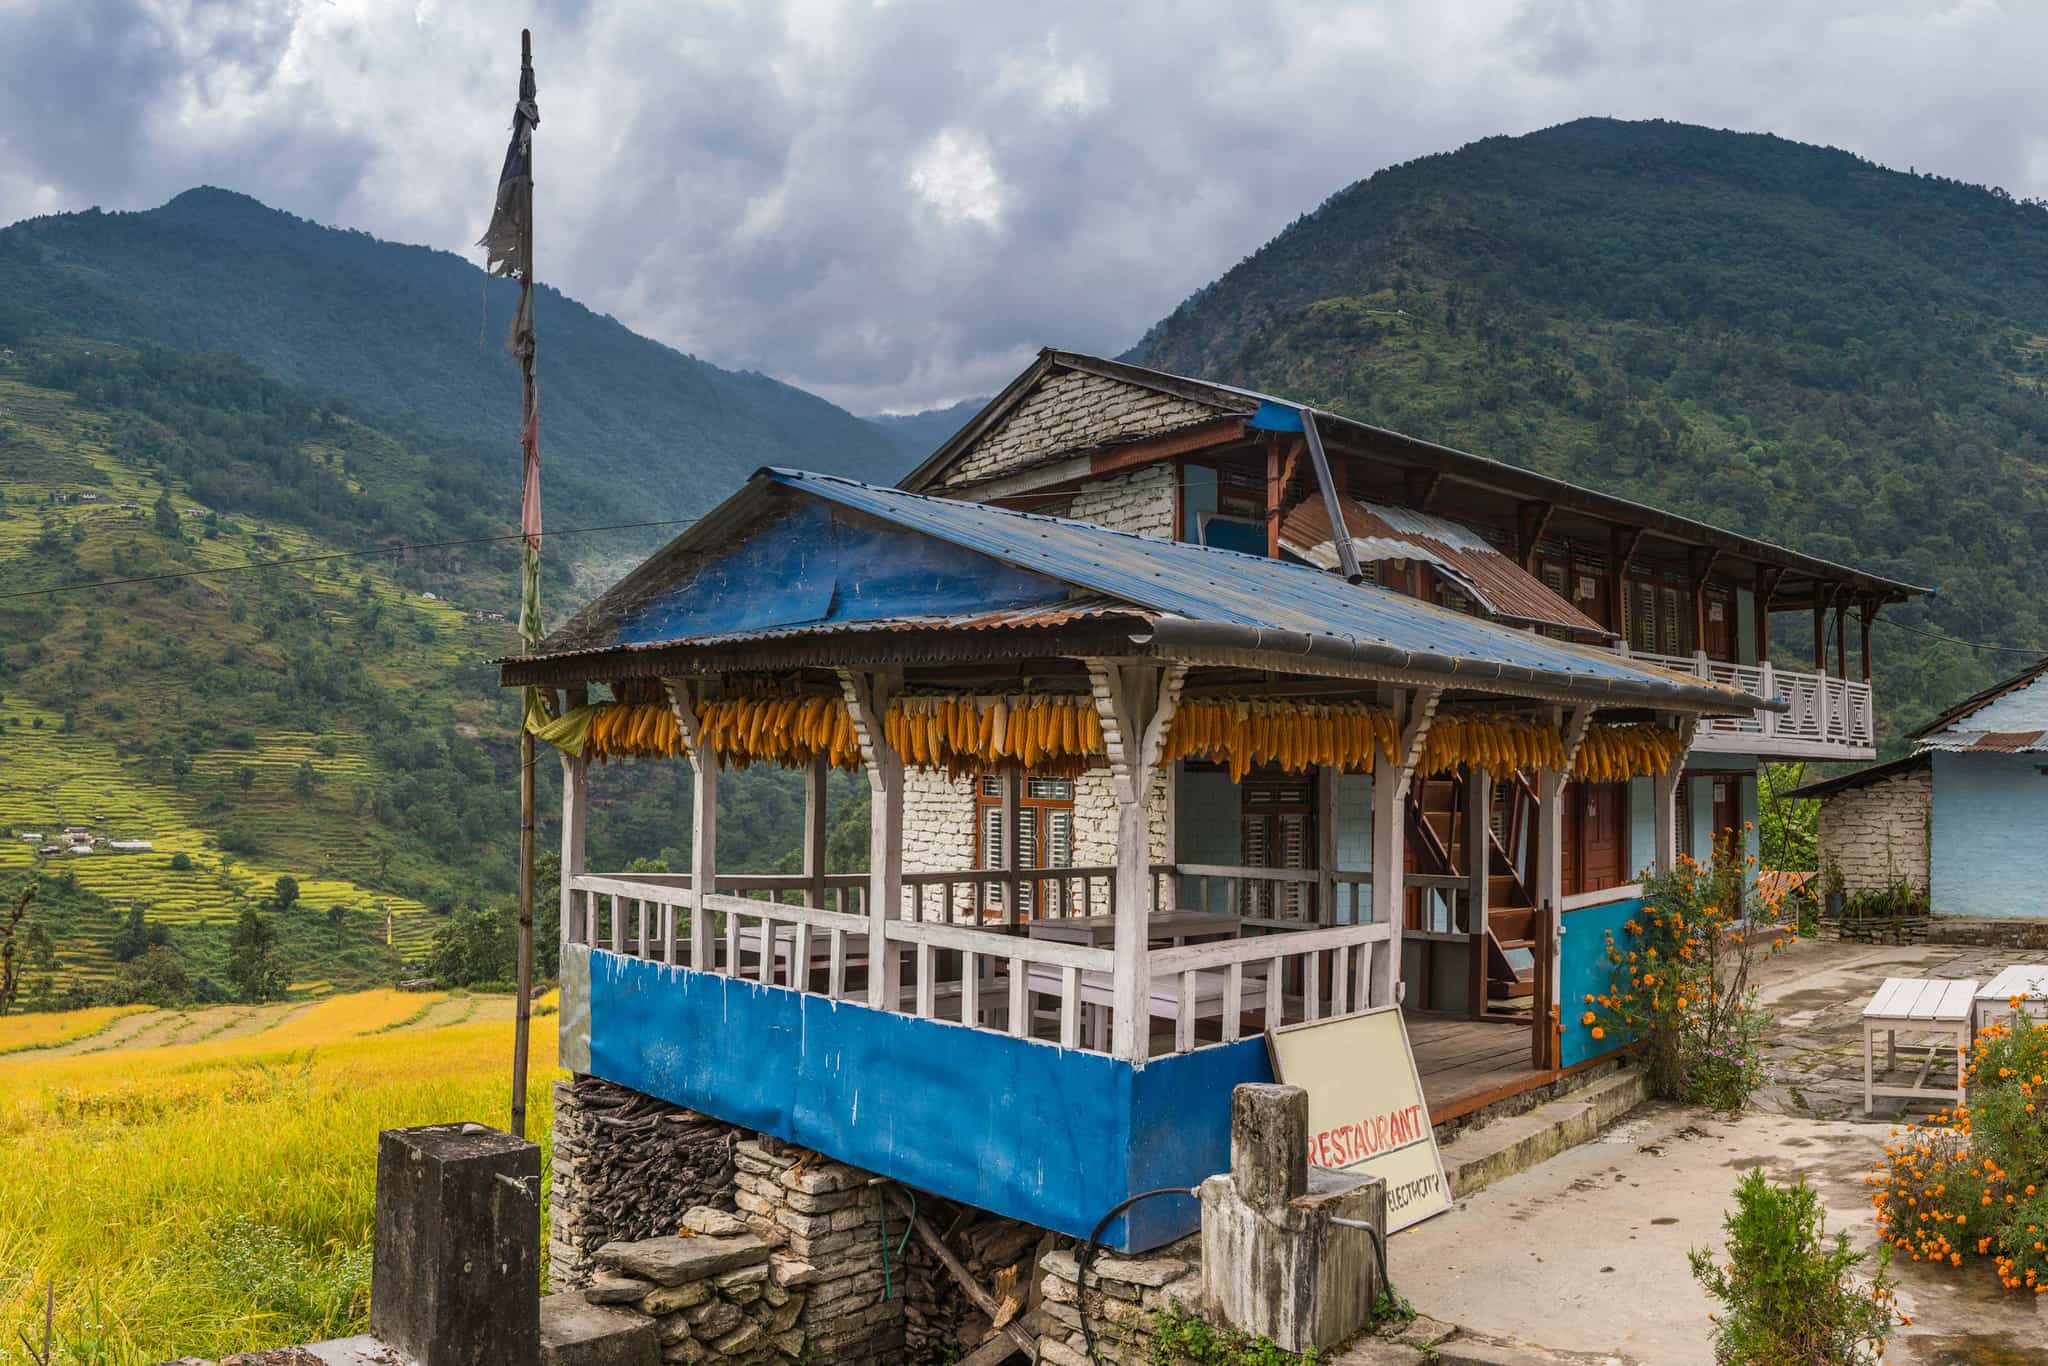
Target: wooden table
x=2029, y=981
x=1924, y=1006
x=1171, y=927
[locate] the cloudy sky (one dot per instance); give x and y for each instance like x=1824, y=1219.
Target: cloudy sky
x=895, y=202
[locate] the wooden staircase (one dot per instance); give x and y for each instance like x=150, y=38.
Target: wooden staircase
x=1441, y=844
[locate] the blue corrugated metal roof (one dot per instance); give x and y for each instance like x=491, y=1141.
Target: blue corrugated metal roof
x=1205, y=584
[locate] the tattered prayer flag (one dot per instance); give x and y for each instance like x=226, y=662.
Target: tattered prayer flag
x=505, y=241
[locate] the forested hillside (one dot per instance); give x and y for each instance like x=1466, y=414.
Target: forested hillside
x=1780, y=338
x=411, y=339
x=215, y=384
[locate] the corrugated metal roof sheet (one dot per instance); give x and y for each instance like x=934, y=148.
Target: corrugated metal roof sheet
x=1507, y=591
x=1201, y=584
x=1987, y=742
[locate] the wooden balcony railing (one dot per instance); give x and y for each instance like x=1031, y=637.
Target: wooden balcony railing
x=1829, y=717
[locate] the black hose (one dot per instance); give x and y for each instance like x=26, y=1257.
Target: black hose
x=1087, y=1254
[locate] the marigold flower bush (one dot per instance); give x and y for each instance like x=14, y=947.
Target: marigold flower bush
x=1789, y=1293
x=1972, y=1182
x=1680, y=978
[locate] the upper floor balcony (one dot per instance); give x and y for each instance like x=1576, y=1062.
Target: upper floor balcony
x=1829, y=718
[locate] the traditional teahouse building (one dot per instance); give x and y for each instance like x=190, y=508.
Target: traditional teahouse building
x=1960, y=818
x=1158, y=760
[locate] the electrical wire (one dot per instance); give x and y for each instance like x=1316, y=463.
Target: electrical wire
x=1087, y=1254
x=2034, y=652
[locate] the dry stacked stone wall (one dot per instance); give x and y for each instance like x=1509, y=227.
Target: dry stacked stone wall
x=825, y=1219
x=1878, y=833
x=1122, y=1300
x=627, y=1166
x=1071, y=410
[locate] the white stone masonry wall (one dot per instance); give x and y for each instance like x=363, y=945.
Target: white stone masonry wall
x=1070, y=410
x=1139, y=502
x=1879, y=833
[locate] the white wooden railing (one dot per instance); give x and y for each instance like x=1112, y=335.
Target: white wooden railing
x=962, y=965
x=1827, y=717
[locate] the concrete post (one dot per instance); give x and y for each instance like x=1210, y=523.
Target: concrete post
x=1274, y=1259
x=455, y=1275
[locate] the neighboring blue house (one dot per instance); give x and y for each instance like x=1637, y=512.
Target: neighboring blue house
x=1963, y=816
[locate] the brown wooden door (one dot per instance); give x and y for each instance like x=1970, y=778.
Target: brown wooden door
x=1603, y=835
x=1727, y=807
x=1720, y=623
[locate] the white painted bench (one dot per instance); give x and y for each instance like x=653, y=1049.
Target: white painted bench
x=1096, y=997
x=2028, y=981
x=1921, y=1006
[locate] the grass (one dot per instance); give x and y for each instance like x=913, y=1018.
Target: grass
x=22, y=1033
x=215, y=1196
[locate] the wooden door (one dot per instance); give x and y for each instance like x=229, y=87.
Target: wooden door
x=1603, y=835
x=1727, y=807
x=1279, y=832
x=1720, y=623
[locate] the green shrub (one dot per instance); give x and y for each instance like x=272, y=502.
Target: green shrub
x=1789, y=1294
x=1180, y=1338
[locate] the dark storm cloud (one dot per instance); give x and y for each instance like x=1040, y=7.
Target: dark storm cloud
x=895, y=203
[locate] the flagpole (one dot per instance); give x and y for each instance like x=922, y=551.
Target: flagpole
x=523, y=344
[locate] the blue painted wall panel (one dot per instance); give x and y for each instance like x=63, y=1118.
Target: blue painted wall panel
x=1022, y=1128
x=1585, y=972
x=816, y=565
x=1988, y=854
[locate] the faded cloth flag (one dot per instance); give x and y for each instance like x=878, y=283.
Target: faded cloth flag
x=504, y=242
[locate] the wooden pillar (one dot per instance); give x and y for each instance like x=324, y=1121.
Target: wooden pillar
x=1326, y=845
x=1820, y=632
x=1664, y=811
x=1274, y=493
x=1868, y=619
x=683, y=698
x=1390, y=780
x=1621, y=548
x=1550, y=790
x=867, y=696
x=1136, y=703
x=1478, y=881
x=1701, y=562
x=1842, y=638
x=575, y=845
x=1767, y=581
x=814, y=831
x=1012, y=835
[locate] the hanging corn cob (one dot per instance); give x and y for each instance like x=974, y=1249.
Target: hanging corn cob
x=1504, y=744
x=789, y=729
x=1615, y=753
x=1294, y=735
x=1053, y=737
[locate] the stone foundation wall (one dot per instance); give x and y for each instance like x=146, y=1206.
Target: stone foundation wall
x=826, y=1218
x=1879, y=833
x=627, y=1166
x=1999, y=933
x=1123, y=1297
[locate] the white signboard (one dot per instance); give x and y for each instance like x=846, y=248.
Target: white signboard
x=1365, y=1106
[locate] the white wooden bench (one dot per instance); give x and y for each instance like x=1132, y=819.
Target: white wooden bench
x=2028, y=981
x=1096, y=997
x=1921, y=1006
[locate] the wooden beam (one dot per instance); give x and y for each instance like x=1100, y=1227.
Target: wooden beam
x=1478, y=882
x=1700, y=563
x=683, y=697
x=575, y=807
x=1842, y=637
x=1136, y=703
x=867, y=697
x=1274, y=493
x=1421, y=486
x=814, y=830
x=1413, y=711
x=1004, y=1316
x=1767, y=580
x=1532, y=519
x=1621, y=548
x=1167, y=445
x=1871, y=607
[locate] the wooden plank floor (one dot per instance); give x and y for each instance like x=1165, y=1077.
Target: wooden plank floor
x=1461, y=1059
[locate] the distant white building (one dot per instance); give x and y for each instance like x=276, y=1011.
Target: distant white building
x=132, y=846
x=32, y=836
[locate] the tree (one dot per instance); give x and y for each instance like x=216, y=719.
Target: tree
x=136, y=936
x=306, y=778
x=181, y=862
x=245, y=777
x=10, y=932
x=254, y=965
x=166, y=518
x=157, y=978
x=286, y=893
x=42, y=961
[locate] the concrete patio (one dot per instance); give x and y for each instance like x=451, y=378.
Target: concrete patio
x=1633, y=1201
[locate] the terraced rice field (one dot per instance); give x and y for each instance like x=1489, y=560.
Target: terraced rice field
x=22, y=1033
x=54, y=780
x=201, y=1182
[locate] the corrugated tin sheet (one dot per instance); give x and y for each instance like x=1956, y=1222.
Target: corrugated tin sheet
x=1207, y=585
x=1987, y=742
x=1378, y=532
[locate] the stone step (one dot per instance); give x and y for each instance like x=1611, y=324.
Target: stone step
x=1477, y=1158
